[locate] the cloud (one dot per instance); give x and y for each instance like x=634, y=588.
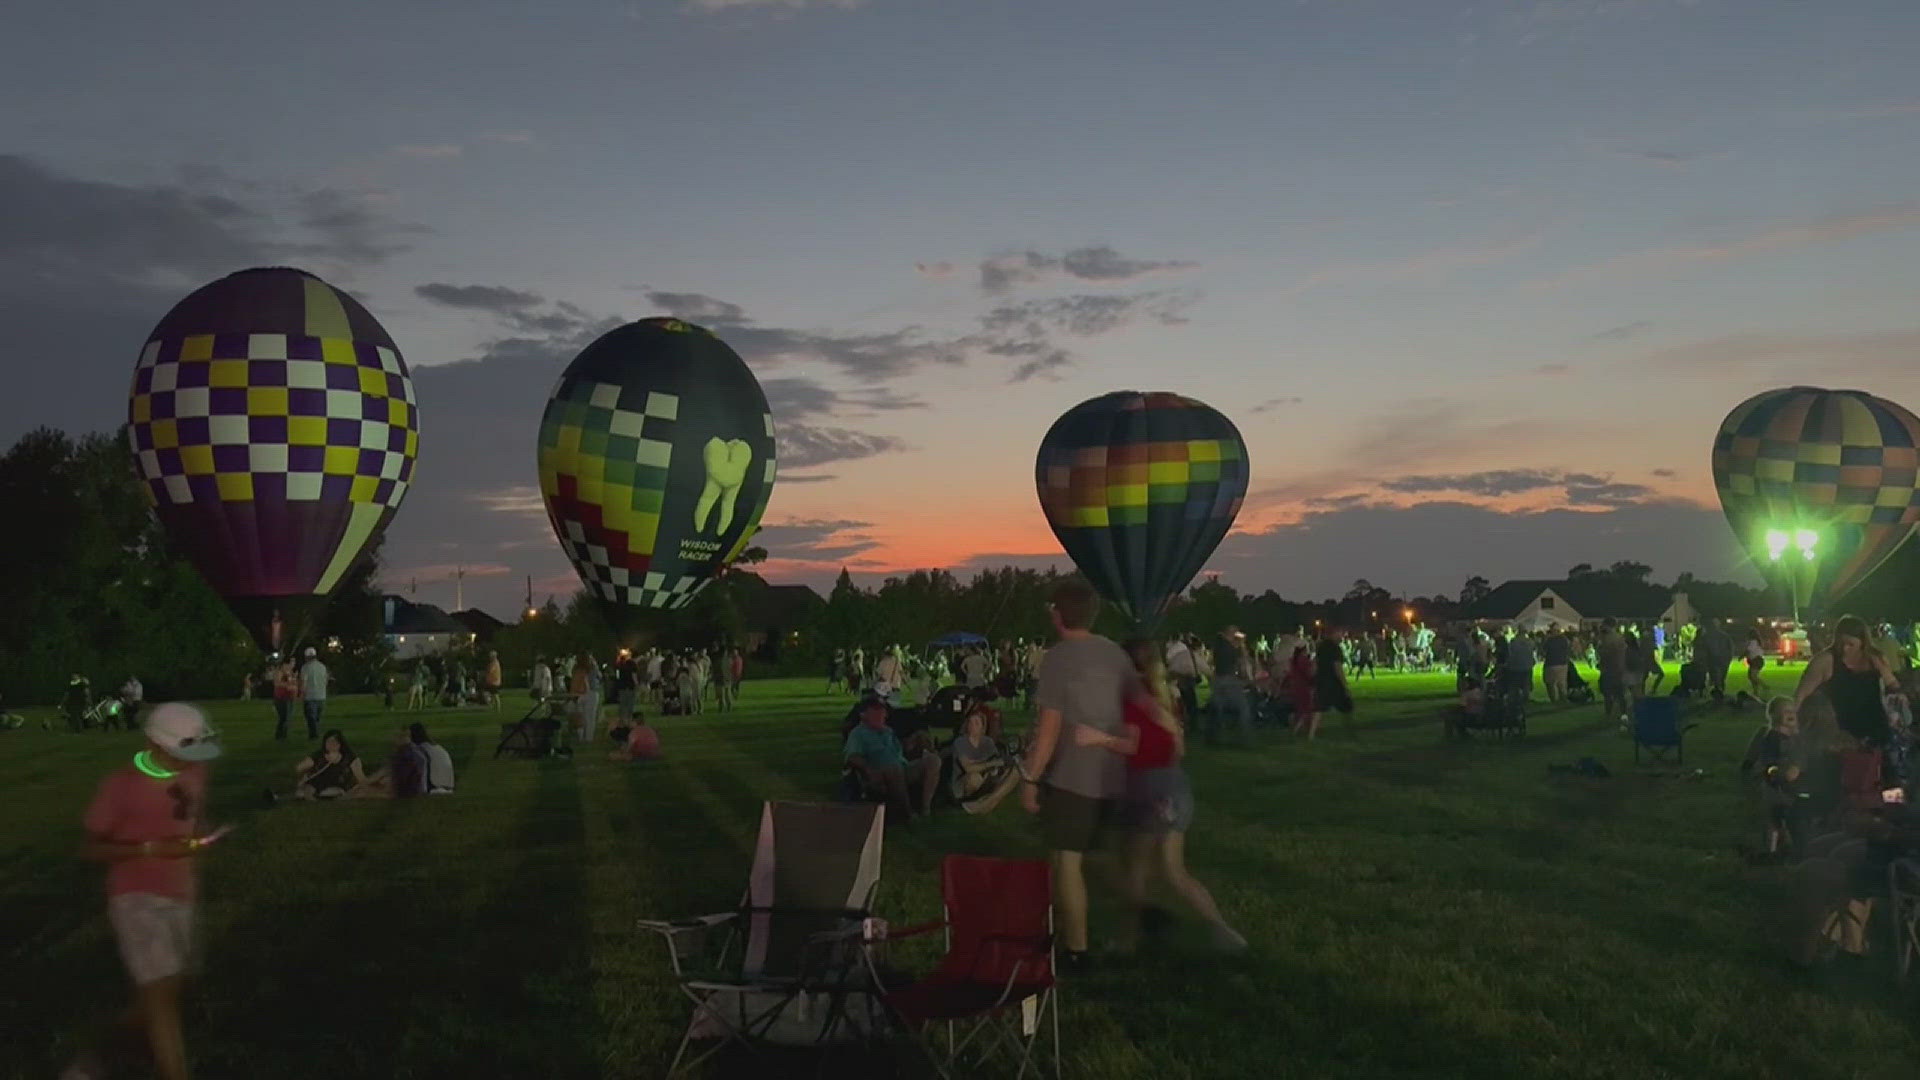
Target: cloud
x=804, y=446
x=1665, y=474
x=1624, y=331
x=88, y=266
x=1087, y=316
x=871, y=357
x=1319, y=554
x=429, y=151
x=710, y=6
x=815, y=540
x=1553, y=370
x=489, y=298
x=1491, y=484
x=1002, y=273
x=1271, y=404
x=935, y=269
x=512, y=136
x=1426, y=430
x=1579, y=489
x=1828, y=230
x=1037, y=357
x=1762, y=355
x=350, y=228
x=799, y=398
x=1430, y=262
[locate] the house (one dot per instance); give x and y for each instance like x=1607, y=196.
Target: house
x=420, y=629
x=777, y=616
x=1580, y=603
x=478, y=623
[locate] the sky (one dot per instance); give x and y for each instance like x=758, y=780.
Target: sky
x=1476, y=280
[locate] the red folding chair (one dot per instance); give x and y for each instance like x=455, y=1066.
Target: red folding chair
x=997, y=978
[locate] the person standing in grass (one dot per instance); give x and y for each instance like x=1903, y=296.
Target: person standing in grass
x=1556, y=654
x=1158, y=806
x=145, y=824
x=1610, y=656
x=1084, y=680
x=490, y=682
x=313, y=692
x=1330, y=690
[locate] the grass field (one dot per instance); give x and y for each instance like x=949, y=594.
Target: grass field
x=1415, y=908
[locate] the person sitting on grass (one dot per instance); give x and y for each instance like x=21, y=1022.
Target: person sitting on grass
x=637, y=741
x=439, y=762
x=1773, y=756
x=405, y=776
x=982, y=775
x=875, y=754
x=330, y=772
x=1471, y=709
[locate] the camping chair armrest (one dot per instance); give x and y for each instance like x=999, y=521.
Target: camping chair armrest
x=671, y=927
x=916, y=930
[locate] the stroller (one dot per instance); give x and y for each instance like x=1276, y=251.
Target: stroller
x=1579, y=691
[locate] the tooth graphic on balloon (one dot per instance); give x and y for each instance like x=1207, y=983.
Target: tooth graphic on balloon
x=727, y=463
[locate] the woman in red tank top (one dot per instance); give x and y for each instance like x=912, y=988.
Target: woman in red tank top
x=1159, y=799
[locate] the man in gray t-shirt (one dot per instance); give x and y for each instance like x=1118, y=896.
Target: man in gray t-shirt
x=1083, y=681
x=313, y=691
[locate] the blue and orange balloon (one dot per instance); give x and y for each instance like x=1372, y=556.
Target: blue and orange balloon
x=1140, y=488
x=1821, y=486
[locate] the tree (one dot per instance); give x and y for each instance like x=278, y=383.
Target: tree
x=1579, y=571
x=1628, y=570
x=1359, y=590
x=1474, y=591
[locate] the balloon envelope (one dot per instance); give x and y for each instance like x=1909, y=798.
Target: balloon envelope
x=1839, y=465
x=1140, y=488
x=656, y=460
x=274, y=427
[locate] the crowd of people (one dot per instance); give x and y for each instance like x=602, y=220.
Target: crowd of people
x=1101, y=767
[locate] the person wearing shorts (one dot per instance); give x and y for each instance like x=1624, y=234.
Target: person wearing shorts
x=1083, y=681
x=1159, y=798
x=145, y=824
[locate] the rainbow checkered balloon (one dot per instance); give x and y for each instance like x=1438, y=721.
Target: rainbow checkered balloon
x=1140, y=488
x=656, y=460
x=274, y=428
x=1842, y=465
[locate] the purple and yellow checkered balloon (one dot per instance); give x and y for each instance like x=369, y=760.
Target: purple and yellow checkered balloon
x=274, y=427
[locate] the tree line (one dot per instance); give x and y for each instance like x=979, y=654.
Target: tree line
x=92, y=587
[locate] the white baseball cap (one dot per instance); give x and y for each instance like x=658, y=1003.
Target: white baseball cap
x=310, y=653
x=183, y=731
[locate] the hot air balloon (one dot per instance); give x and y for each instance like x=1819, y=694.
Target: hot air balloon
x=656, y=459
x=1820, y=485
x=274, y=425
x=1140, y=488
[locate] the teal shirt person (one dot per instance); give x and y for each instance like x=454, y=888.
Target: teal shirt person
x=878, y=747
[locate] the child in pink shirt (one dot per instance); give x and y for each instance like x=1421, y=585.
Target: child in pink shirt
x=145, y=824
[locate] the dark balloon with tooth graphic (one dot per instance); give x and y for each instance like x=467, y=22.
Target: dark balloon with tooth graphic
x=656, y=460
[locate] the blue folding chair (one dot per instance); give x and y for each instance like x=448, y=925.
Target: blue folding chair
x=1657, y=727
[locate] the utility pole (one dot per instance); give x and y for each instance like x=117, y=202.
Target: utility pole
x=460, y=588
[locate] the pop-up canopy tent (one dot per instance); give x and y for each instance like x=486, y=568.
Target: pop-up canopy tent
x=957, y=639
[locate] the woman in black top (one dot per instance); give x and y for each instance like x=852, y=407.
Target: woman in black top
x=1856, y=679
x=331, y=771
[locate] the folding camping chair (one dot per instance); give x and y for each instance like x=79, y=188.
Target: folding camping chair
x=1904, y=875
x=789, y=969
x=1657, y=727
x=997, y=975
x=533, y=734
